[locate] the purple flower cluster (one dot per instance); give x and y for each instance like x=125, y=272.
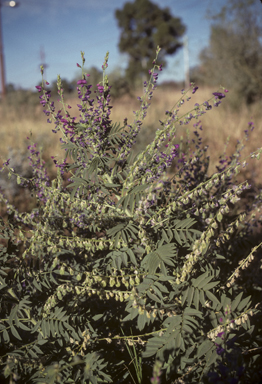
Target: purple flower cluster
x=159, y=164
x=129, y=138
x=218, y=96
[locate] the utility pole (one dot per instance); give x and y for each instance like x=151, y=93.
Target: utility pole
x=2, y=57
x=11, y=4
x=186, y=62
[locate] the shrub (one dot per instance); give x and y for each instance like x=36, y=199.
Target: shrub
x=120, y=271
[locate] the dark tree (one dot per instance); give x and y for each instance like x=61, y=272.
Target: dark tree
x=144, y=26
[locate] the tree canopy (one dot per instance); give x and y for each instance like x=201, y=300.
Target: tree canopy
x=144, y=26
x=233, y=57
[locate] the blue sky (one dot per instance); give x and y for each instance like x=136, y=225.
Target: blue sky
x=63, y=28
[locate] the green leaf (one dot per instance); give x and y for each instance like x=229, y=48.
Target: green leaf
x=170, y=234
x=210, y=285
x=177, y=237
x=111, y=232
x=153, y=297
x=203, y=348
x=236, y=301
x=204, y=282
x=132, y=256
x=219, y=257
x=116, y=240
x=141, y=321
x=23, y=326
x=196, y=298
x=163, y=254
x=192, y=312
x=244, y=303
x=42, y=342
x=187, y=329
x=225, y=301
x=212, y=297
x=178, y=341
x=13, y=314
x=38, y=350
x=164, y=236
x=59, y=313
x=200, y=278
x=184, y=296
x=161, y=287
x=33, y=354
x=173, y=323
x=213, y=319
x=190, y=296
x=6, y=336
x=45, y=328
x=38, y=286
x=154, y=344
x=211, y=358
x=15, y=333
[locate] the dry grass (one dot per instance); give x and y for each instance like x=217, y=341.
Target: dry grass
x=218, y=124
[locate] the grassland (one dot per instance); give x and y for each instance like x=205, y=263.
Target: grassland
x=218, y=124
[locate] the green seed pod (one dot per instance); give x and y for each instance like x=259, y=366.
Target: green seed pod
x=141, y=310
x=78, y=277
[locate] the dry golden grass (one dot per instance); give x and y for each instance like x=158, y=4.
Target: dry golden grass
x=218, y=124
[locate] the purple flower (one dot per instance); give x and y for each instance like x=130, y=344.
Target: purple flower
x=219, y=95
x=6, y=162
x=220, y=350
x=194, y=90
x=39, y=88
x=100, y=88
x=83, y=81
x=207, y=105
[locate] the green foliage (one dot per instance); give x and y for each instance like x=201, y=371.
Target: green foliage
x=235, y=44
x=117, y=255
x=144, y=26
